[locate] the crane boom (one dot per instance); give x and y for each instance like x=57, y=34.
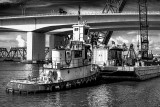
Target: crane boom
x=143, y=28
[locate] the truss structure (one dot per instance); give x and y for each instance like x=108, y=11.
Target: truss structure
x=16, y=52
x=3, y=52
x=143, y=28
x=113, y=6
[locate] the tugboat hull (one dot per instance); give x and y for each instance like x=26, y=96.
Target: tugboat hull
x=67, y=80
x=16, y=87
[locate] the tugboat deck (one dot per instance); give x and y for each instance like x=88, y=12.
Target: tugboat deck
x=27, y=82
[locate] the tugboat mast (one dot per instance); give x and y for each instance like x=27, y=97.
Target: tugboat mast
x=143, y=28
x=79, y=14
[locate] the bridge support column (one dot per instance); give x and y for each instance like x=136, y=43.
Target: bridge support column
x=56, y=41
x=35, y=46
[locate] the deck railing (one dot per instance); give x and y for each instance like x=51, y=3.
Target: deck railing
x=60, y=64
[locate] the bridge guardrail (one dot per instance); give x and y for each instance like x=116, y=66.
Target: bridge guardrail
x=75, y=14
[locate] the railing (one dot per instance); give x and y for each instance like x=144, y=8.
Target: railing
x=62, y=63
x=16, y=53
x=75, y=14
x=125, y=68
x=105, y=63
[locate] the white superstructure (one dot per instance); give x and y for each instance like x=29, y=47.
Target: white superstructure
x=72, y=62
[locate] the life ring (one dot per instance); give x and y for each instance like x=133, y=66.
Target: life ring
x=19, y=86
x=92, y=67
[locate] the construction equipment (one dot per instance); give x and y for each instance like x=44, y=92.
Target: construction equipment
x=143, y=28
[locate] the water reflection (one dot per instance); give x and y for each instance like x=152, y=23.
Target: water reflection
x=126, y=94
x=100, y=96
x=97, y=96
x=106, y=95
x=116, y=94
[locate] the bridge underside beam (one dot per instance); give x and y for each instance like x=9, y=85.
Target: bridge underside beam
x=123, y=28
x=135, y=26
x=35, y=46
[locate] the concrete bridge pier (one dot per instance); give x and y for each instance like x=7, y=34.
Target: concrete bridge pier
x=35, y=46
x=57, y=41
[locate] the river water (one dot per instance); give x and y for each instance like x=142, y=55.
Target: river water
x=105, y=94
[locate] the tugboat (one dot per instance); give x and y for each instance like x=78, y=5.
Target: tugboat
x=70, y=67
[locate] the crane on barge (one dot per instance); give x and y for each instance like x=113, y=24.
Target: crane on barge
x=115, y=64
x=143, y=54
x=143, y=29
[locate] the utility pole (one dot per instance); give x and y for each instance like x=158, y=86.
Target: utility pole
x=143, y=28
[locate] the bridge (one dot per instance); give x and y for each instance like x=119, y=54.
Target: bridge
x=46, y=23
x=17, y=53
x=37, y=26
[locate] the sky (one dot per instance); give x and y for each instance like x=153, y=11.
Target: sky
x=14, y=7
x=129, y=37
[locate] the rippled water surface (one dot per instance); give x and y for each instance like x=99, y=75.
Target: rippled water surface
x=108, y=94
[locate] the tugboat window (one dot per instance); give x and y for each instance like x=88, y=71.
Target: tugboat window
x=75, y=29
x=86, y=31
x=78, y=54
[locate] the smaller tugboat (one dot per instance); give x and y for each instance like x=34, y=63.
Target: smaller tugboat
x=70, y=67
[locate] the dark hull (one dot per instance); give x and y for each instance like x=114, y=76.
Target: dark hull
x=137, y=73
x=147, y=72
x=20, y=88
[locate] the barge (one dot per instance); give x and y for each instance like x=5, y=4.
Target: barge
x=118, y=63
x=70, y=67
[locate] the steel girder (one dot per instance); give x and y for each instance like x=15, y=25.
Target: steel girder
x=17, y=52
x=143, y=28
x=113, y=6
x=3, y=52
x=100, y=37
x=20, y=52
